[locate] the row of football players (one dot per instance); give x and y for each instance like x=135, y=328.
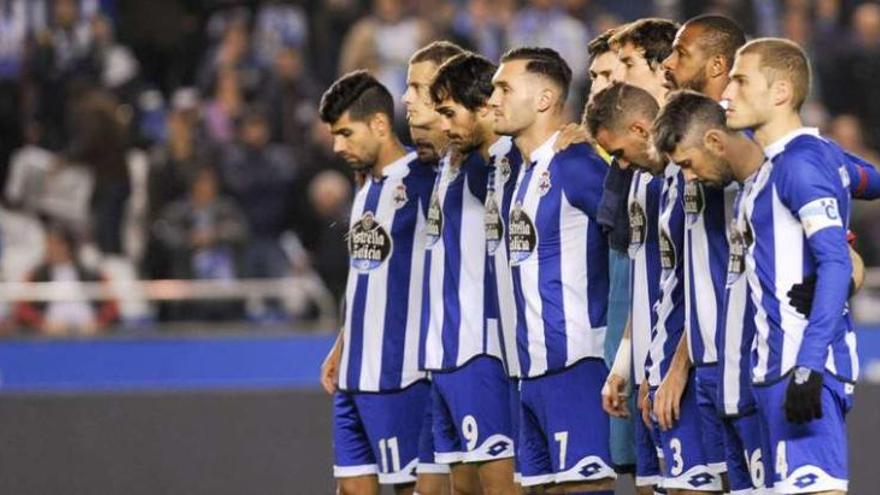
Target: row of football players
x=487, y=287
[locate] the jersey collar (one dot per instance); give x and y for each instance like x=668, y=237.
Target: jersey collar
x=545, y=152
x=398, y=167
x=500, y=147
x=778, y=146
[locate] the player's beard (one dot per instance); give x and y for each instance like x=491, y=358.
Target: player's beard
x=426, y=151
x=696, y=83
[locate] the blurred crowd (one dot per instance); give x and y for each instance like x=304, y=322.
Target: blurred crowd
x=175, y=139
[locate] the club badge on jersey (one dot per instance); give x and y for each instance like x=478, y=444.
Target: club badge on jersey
x=369, y=245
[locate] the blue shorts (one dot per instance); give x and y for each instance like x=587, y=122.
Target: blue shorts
x=378, y=433
x=710, y=416
x=427, y=464
x=647, y=454
x=747, y=454
x=811, y=457
x=686, y=465
x=564, y=433
x=471, y=408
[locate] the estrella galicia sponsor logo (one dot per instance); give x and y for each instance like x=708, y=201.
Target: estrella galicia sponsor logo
x=736, y=261
x=504, y=169
x=694, y=201
x=493, y=224
x=521, y=235
x=638, y=224
x=434, y=222
x=368, y=243
x=667, y=251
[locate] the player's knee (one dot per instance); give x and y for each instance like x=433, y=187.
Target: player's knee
x=357, y=486
x=432, y=484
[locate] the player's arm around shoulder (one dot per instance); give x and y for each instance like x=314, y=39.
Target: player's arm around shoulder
x=583, y=174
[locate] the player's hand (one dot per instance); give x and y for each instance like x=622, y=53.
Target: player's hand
x=803, y=398
x=667, y=399
x=644, y=404
x=614, y=394
x=801, y=295
x=571, y=134
x=330, y=368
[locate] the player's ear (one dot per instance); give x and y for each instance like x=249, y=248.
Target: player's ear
x=640, y=129
x=718, y=67
x=714, y=142
x=546, y=99
x=781, y=92
x=379, y=124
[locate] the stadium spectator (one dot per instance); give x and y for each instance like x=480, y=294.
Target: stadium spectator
x=99, y=141
x=545, y=23
x=260, y=175
x=76, y=315
x=225, y=108
x=291, y=97
x=382, y=43
x=330, y=198
x=203, y=235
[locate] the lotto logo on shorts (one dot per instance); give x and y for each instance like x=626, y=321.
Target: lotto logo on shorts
x=701, y=479
x=498, y=448
x=590, y=469
x=805, y=480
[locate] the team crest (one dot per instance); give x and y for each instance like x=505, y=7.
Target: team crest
x=844, y=176
x=544, y=183
x=369, y=245
x=522, y=235
x=492, y=222
x=400, y=198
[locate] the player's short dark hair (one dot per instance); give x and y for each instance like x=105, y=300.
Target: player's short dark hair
x=436, y=52
x=785, y=59
x=545, y=62
x=653, y=35
x=600, y=45
x=615, y=105
x=359, y=94
x=466, y=79
x=721, y=35
x=685, y=113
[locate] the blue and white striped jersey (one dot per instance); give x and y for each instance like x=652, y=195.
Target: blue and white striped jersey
x=798, y=212
x=708, y=212
x=383, y=297
x=667, y=332
x=644, y=252
x=505, y=161
x=559, y=258
x=457, y=324
x=736, y=336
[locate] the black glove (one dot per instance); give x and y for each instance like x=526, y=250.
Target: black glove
x=801, y=295
x=803, y=398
